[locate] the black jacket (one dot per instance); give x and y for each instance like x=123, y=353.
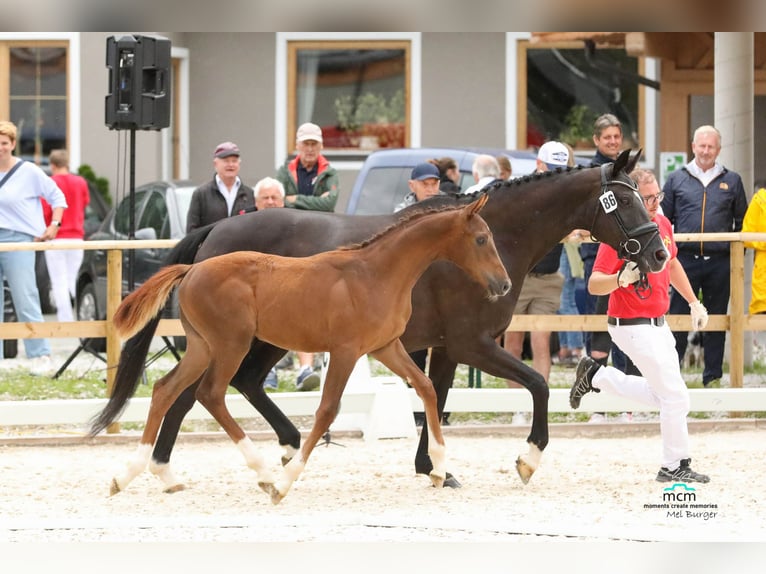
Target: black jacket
x=208, y=205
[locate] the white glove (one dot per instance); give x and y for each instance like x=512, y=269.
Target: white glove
x=699, y=315
x=629, y=274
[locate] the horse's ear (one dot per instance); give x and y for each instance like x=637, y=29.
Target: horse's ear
x=621, y=162
x=476, y=206
x=634, y=161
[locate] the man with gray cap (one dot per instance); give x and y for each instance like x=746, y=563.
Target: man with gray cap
x=225, y=195
x=309, y=179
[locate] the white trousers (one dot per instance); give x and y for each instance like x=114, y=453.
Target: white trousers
x=653, y=351
x=62, y=268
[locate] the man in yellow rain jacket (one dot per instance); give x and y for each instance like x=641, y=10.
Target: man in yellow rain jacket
x=755, y=221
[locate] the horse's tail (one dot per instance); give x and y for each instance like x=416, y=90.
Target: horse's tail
x=138, y=308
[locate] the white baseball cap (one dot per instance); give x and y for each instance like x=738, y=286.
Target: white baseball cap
x=553, y=154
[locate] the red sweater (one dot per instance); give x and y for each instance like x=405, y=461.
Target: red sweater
x=75, y=190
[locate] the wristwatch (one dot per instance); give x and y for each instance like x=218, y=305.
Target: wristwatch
x=56, y=223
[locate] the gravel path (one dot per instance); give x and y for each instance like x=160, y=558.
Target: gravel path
x=586, y=488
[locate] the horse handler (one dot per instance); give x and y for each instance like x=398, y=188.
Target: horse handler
x=636, y=322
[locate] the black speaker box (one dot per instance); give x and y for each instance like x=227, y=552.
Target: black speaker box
x=139, y=82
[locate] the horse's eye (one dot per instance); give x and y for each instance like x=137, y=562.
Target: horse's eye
x=481, y=240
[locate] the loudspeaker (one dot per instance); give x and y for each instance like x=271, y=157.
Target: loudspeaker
x=139, y=82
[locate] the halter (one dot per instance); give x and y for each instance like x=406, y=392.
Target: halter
x=631, y=246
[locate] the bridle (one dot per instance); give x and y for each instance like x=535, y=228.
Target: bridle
x=608, y=203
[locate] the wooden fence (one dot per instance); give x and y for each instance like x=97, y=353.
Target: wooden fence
x=737, y=322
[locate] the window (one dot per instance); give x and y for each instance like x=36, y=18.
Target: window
x=566, y=89
x=356, y=91
x=36, y=97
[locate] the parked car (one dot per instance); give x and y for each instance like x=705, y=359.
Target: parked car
x=160, y=213
x=382, y=182
x=95, y=212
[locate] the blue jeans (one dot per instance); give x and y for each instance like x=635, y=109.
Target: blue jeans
x=569, y=339
x=18, y=269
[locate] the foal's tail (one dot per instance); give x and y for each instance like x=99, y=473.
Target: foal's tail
x=138, y=308
x=135, y=350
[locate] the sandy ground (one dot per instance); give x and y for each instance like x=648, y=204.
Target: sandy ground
x=596, y=489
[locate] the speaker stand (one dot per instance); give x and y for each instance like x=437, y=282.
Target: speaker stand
x=83, y=346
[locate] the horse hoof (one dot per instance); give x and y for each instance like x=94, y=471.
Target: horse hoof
x=451, y=482
x=437, y=480
x=525, y=470
x=174, y=488
x=114, y=488
x=271, y=490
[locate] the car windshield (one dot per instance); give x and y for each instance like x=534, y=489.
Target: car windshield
x=184, y=195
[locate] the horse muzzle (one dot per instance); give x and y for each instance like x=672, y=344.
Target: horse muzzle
x=498, y=287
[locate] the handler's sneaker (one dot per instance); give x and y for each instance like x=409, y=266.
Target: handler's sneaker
x=683, y=473
x=307, y=380
x=586, y=368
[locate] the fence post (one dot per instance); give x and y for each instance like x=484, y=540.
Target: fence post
x=113, y=298
x=737, y=314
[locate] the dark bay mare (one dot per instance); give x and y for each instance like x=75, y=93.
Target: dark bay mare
x=360, y=305
x=451, y=314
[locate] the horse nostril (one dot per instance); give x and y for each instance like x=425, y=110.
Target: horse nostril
x=661, y=254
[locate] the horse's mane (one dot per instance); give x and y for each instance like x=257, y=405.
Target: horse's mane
x=446, y=202
x=406, y=219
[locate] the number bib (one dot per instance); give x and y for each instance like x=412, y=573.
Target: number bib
x=608, y=201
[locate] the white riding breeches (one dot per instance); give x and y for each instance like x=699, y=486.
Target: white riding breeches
x=652, y=349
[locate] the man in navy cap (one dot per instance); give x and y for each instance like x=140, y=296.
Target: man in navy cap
x=424, y=183
x=223, y=196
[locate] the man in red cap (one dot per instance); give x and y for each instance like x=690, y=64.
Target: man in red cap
x=225, y=195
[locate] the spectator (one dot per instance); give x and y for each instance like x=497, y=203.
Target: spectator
x=541, y=291
x=504, y=163
x=269, y=193
x=637, y=323
x=223, y=196
x=311, y=183
x=63, y=264
x=705, y=197
x=309, y=179
x=449, y=174
x=755, y=222
x=485, y=172
x=607, y=137
x=423, y=183
x=571, y=343
x=21, y=220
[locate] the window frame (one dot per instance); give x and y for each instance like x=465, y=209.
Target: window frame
x=70, y=40
x=285, y=124
x=646, y=103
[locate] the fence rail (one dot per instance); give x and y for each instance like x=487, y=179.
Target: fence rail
x=737, y=322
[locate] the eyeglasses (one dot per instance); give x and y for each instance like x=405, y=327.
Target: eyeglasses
x=652, y=199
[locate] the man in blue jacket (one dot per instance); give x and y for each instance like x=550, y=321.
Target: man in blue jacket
x=705, y=197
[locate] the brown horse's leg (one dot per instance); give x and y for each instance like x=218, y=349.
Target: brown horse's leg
x=338, y=372
x=211, y=393
x=396, y=358
x=165, y=391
